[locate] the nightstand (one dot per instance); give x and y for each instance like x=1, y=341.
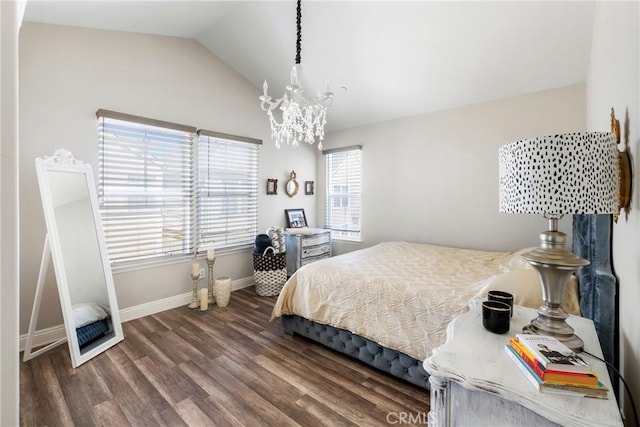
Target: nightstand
x=474, y=382
x=306, y=247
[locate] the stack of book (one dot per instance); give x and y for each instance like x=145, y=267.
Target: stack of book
x=553, y=368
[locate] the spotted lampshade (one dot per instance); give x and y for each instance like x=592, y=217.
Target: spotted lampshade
x=574, y=173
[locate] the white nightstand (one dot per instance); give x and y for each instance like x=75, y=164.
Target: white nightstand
x=473, y=381
x=308, y=246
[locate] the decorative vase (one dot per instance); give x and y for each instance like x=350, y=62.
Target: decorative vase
x=222, y=291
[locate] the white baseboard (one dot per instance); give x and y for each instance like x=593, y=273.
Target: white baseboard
x=44, y=336
x=54, y=333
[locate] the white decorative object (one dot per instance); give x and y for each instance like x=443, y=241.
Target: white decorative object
x=474, y=382
x=210, y=262
x=75, y=242
x=276, y=234
x=204, y=299
x=194, y=288
x=303, y=118
x=557, y=175
x=195, y=269
x=222, y=291
x=63, y=156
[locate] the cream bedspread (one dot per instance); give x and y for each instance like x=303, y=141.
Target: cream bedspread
x=400, y=295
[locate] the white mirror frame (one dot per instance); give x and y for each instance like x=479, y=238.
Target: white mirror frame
x=63, y=161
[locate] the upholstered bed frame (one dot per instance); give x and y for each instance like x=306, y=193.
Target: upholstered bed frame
x=384, y=359
x=597, y=285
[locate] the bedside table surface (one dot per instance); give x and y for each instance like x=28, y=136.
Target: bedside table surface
x=475, y=358
x=306, y=231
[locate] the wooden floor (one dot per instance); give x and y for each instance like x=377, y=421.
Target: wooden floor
x=228, y=366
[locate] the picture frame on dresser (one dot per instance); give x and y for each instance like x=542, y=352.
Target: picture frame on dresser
x=296, y=218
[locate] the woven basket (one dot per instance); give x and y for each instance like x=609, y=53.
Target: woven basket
x=269, y=272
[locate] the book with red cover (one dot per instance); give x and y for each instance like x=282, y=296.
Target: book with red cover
x=551, y=376
x=554, y=355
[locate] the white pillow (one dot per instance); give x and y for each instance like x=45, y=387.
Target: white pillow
x=525, y=287
x=516, y=262
x=87, y=312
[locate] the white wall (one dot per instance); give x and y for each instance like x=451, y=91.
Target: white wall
x=614, y=74
x=67, y=73
x=434, y=178
x=11, y=14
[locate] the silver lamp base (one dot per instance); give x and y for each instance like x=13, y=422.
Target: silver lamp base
x=554, y=265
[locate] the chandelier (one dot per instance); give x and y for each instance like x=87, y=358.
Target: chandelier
x=303, y=118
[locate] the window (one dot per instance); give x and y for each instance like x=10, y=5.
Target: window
x=343, y=198
x=162, y=192
x=341, y=202
x=227, y=190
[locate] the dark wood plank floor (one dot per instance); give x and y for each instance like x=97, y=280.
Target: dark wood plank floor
x=229, y=366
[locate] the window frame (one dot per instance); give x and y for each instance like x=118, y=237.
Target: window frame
x=247, y=146
x=343, y=199
x=191, y=243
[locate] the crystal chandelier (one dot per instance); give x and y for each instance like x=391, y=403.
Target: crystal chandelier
x=303, y=119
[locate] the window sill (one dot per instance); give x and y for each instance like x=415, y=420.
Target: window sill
x=177, y=259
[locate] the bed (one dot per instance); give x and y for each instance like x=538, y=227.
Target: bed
x=389, y=305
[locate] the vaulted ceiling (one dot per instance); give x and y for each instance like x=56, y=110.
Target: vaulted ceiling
x=384, y=59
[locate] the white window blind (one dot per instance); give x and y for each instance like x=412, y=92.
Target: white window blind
x=227, y=190
x=145, y=180
x=343, y=192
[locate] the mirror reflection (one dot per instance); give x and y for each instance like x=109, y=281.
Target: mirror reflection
x=80, y=253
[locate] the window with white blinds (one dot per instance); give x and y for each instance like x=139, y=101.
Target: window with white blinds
x=227, y=190
x=343, y=192
x=164, y=191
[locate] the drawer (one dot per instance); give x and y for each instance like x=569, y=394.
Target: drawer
x=315, y=240
x=309, y=260
x=316, y=251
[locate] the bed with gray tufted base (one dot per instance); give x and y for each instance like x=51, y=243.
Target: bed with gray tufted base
x=389, y=305
x=382, y=358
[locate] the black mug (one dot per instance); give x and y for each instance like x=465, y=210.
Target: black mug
x=501, y=296
x=496, y=316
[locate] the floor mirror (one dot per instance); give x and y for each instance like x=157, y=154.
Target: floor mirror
x=75, y=243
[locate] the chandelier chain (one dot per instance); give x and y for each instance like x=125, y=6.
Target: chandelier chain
x=302, y=119
x=299, y=30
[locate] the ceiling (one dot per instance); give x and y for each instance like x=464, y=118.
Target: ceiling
x=384, y=59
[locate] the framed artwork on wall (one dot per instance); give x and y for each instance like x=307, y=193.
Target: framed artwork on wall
x=308, y=188
x=295, y=218
x=272, y=187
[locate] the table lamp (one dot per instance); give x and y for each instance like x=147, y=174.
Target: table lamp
x=557, y=175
